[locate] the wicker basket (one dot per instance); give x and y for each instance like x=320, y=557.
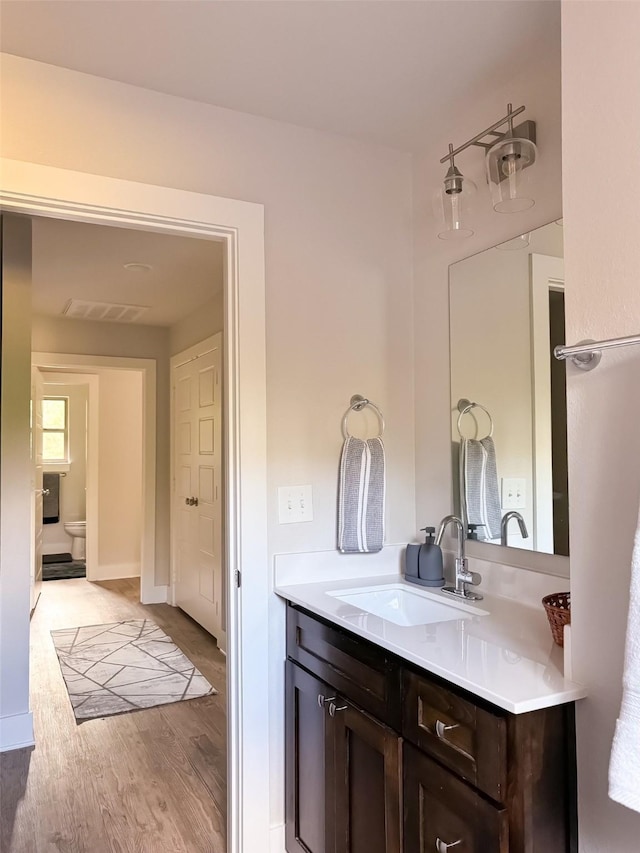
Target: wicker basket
x=558, y=607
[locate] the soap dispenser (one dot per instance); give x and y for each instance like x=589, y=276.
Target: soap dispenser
x=423, y=563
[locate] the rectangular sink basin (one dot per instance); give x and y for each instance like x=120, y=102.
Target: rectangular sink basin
x=404, y=607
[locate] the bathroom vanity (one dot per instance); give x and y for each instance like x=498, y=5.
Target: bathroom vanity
x=454, y=734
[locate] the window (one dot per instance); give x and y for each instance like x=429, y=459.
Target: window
x=55, y=429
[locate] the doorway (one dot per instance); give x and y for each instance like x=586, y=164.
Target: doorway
x=96, y=371
x=58, y=193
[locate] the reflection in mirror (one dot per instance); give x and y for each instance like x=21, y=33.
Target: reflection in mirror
x=510, y=448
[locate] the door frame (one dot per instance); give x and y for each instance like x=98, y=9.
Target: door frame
x=34, y=189
x=546, y=273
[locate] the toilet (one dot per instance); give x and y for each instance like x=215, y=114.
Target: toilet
x=78, y=532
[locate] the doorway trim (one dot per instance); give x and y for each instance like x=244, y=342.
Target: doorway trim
x=546, y=273
x=34, y=189
x=149, y=592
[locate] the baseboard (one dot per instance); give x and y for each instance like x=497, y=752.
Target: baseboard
x=16, y=732
x=56, y=548
x=277, y=839
x=153, y=594
x=115, y=571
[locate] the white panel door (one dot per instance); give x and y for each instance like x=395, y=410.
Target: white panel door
x=198, y=491
x=36, y=460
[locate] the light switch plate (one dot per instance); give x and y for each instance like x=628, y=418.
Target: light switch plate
x=295, y=504
x=514, y=493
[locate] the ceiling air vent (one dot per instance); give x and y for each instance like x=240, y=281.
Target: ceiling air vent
x=80, y=309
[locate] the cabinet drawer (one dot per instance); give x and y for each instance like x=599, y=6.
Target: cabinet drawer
x=442, y=813
x=362, y=672
x=460, y=734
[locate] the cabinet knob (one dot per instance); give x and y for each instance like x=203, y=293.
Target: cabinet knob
x=333, y=708
x=442, y=846
x=322, y=700
x=194, y=501
x=441, y=728
x=187, y=501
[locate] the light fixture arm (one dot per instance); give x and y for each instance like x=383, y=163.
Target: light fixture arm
x=491, y=130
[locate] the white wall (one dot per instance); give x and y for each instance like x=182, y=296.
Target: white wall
x=338, y=256
x=338, y=277
x=202, y=323
x=80, y=337
x=541, y=94
x=120, y=443
x=73, y=498
x=601, y=130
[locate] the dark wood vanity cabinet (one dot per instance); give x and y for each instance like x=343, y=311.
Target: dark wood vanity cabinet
x=344, y=773
x=343, y=766
x=383, y=758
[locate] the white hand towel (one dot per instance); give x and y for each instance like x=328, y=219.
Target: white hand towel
x=624, y=767
x=361, y=495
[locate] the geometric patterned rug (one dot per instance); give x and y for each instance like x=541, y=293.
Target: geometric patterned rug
x=124, y=666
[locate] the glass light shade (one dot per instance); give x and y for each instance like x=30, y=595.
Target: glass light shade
x=508, y=166
x=451, y=207
x=519, y=242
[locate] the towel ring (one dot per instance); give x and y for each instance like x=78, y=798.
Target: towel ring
x=357, y=404
x=464, y=407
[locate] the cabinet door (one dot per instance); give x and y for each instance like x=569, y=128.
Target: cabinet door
x=307, y=762
x=443, y=813
x=367, y=782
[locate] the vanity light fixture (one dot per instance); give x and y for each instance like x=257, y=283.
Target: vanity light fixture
x=451, y=202
x=508, y=155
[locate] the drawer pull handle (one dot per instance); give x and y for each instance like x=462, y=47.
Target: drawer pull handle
x=441, y=728
x=442, y=847
x=322, y=700
x=333, y=708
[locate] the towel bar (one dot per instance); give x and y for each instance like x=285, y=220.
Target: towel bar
x=587, y=354
x=464, y=407
x=357, y=404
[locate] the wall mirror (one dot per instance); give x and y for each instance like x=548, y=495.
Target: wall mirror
x=508, y=393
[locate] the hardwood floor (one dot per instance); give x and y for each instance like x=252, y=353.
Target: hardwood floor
x=152, y=780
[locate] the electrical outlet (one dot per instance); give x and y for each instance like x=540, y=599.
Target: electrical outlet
x=295, y=504
x=514, y=493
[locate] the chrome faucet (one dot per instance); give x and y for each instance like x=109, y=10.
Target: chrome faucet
x=463, y=575
x=506, y=518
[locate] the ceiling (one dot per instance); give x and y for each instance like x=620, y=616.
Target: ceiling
x=378, y=70
x=74, y=260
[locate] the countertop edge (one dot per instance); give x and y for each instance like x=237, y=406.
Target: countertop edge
x=575, y=692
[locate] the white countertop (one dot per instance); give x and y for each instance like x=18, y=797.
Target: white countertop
x=507, y=657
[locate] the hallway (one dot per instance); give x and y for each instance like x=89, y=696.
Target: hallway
x=152, y=780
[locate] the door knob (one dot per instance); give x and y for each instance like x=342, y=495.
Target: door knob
x=43, y=492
